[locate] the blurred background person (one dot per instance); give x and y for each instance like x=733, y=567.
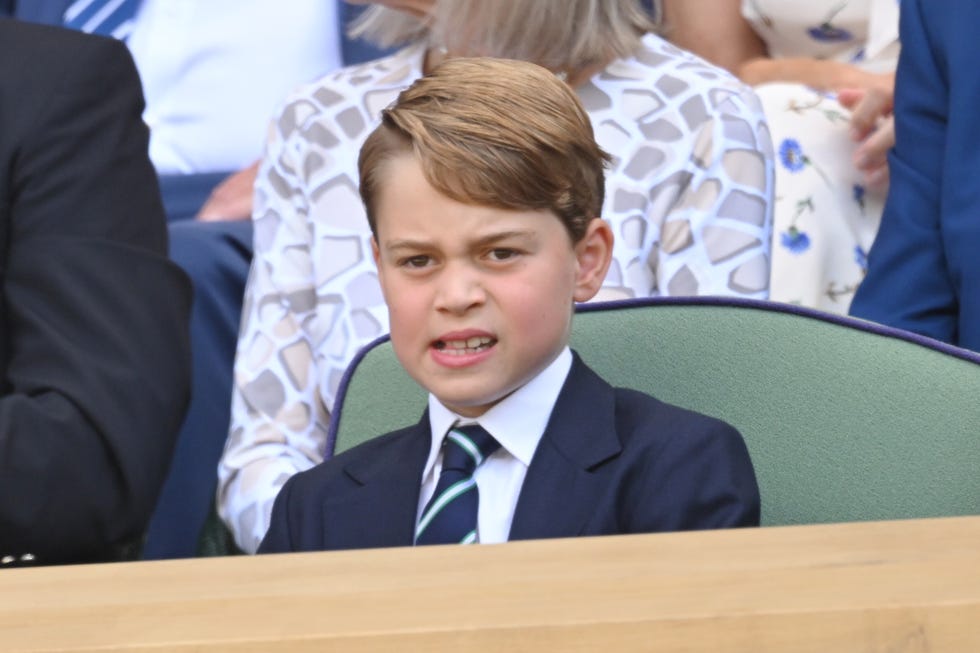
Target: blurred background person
x=923, y=271
x=811, y=62
x=688, y=197
x=212, y=73
x=93, y=326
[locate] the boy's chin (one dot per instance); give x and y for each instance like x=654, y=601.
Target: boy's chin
x=470, y=405
x=474, y=408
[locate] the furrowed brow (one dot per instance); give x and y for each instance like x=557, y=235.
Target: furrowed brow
x=492, y=239
x=406, y=244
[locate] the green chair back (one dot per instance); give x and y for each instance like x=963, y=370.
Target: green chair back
x=844, y=420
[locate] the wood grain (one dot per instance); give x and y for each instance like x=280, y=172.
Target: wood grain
x=875, y=587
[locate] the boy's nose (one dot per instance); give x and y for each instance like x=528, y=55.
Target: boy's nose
x=460, y=289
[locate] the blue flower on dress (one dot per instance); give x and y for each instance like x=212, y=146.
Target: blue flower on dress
x=826, y=31
x=795, y=241
x=858, y=193
x=861, y=258
x=791, y=154
x=829, y=34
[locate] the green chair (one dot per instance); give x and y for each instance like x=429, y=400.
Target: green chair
x=845, y=420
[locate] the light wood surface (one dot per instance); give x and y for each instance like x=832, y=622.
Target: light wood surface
x=878, y=587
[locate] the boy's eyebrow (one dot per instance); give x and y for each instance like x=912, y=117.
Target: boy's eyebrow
x=491, y=239
x=483, y=241
x=406, y=243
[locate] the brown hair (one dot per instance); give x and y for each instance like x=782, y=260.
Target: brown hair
x=493, y=132
x=561, y=35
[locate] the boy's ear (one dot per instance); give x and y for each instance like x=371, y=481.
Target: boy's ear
x=593, y=254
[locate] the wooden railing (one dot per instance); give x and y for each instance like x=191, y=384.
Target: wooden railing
x=876, y=587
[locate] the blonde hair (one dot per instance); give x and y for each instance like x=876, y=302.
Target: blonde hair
x=492, y=132
x=561, y=35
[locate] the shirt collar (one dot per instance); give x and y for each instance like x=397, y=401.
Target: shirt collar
x=517, y=422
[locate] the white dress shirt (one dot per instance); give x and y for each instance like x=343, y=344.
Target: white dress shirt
x=214, y=72
x=517, y=423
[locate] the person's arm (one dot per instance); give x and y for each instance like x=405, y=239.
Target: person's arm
x=232, y=198
x=278, y=422
x=278, y=539
x=908, y=284
x=712, y=29
x=714, y=214
x=823, y=75
x=96, y=351
x=705, y=469
x=717, y=31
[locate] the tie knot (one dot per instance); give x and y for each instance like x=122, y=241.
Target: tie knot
x=466, y=447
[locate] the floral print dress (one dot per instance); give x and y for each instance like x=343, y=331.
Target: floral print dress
x=824, y=219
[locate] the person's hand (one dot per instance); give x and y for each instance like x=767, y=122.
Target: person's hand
x=873, y=126
x=232, y=198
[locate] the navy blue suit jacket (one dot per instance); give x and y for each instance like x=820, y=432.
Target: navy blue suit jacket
x=924, y=267
x=610, y=461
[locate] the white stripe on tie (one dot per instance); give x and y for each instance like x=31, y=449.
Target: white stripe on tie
x=76, y=8
x=451, y=493
x=467, y=444
x=101, y=15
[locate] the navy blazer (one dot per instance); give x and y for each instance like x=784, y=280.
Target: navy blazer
x=923, y=270
x=610, y=461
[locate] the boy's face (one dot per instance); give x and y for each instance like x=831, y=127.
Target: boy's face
x=480, y=299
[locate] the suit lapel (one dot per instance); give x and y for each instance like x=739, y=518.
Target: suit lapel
x=560, y=489
x=379, y=510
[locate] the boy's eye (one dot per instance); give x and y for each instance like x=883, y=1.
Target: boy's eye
x=418, y=261
x=502, y=254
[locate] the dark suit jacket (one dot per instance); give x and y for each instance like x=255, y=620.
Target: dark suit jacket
x=610, y=461
x=94, y=351
x=924, y=267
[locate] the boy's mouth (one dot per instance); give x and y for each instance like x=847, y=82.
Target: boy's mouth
x=464, y=346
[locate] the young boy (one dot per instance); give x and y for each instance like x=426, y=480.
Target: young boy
x=483, y=187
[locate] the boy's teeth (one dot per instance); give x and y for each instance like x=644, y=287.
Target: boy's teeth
x=469, y=343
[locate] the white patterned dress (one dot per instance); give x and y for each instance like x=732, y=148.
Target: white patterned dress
x=688, y=196
x=825, y=218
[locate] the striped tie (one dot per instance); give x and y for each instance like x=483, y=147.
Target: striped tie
x=450, y=517
x=105, y=17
